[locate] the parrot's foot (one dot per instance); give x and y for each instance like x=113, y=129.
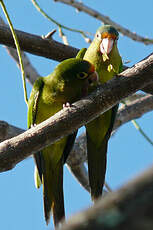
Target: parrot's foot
x=34, y=125
x=66, y=105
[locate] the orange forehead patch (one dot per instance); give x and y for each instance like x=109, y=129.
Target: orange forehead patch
x=108, y=35
x=92, y=68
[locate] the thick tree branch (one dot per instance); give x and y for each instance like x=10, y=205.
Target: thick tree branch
x=134, y=110
x=105, y=19
x=8, y=131
x=34, y=44
x=131, y=207
x=65, y=122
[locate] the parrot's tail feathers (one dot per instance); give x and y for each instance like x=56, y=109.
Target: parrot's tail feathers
x=53, y=194
x=38, y=162
x=58, y=210
x=69, y=145
x=47, y=206
x=96, y=167
x=38, y=169
x=37, y=179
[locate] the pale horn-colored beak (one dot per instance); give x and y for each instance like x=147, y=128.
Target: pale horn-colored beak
x=94, y=77
x=106, y=45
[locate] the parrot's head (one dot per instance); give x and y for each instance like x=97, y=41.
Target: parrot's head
x=77, y=75
x=107, y=37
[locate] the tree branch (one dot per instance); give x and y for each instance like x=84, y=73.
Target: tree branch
x=66, y=121
x=106, y=20
x=131, y=207
x=8, y=131
x=134, y=110
x=34, y=44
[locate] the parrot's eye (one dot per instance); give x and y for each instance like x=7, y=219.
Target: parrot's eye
x=98, y=35
x=82, y=75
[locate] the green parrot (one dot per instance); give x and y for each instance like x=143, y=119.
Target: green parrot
x=104, y=54
x=66, y=84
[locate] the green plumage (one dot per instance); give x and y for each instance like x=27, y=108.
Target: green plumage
x=68, y=82
x=98, y=131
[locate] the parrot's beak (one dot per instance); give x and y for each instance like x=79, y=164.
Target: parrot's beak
x=106, y=45
x=93, y=78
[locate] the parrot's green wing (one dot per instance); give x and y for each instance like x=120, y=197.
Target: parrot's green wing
x=32, y=113
x=33, y=101
x=81, y=53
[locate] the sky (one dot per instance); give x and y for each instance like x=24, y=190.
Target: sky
x=21, y=205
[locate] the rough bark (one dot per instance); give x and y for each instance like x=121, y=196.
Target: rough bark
x=35, y=44
x=131, y=207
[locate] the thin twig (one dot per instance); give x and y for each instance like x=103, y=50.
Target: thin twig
x=63, y=36
x=106, y=20
x=18, y=49
x=35, y=3
x=137, y=126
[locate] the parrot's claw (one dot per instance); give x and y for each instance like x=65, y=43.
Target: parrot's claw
x=66, y=105
x=34, y=125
